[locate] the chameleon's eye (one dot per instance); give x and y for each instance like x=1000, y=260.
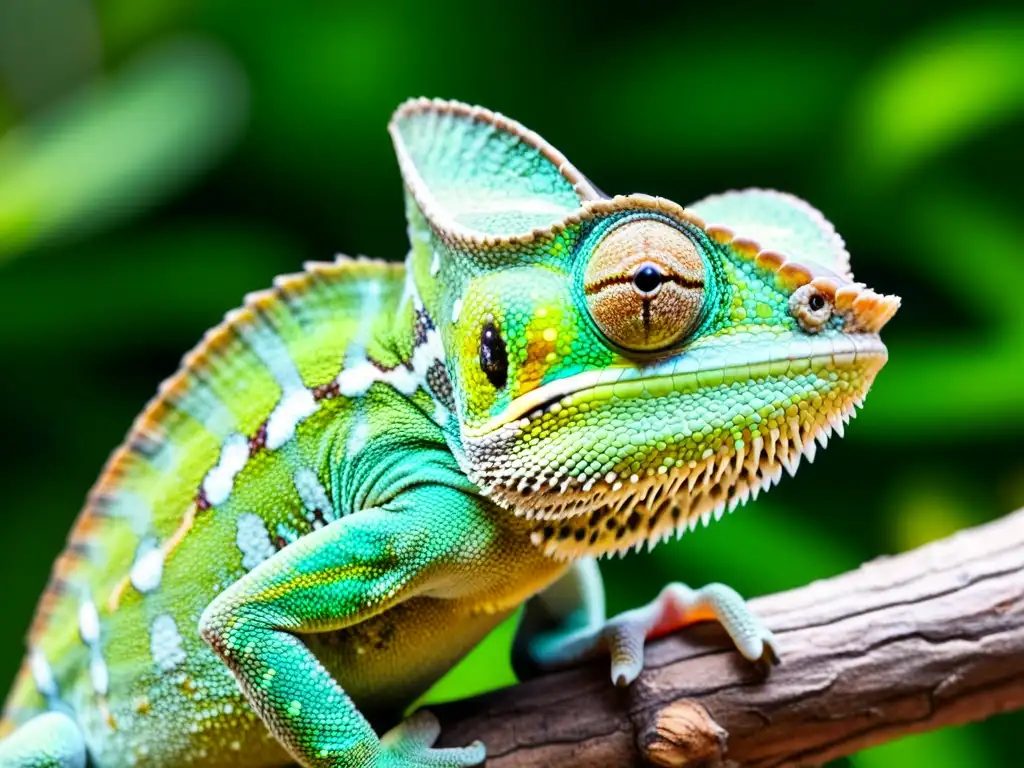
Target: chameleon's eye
x=645, y=285
x=493, y=356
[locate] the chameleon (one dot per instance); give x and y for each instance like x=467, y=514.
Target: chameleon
x=365, y=468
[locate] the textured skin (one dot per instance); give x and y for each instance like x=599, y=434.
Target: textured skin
x=366, y=468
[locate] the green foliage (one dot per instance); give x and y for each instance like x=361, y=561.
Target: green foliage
x=117, y=146
x=169, y=156
x=943, y=88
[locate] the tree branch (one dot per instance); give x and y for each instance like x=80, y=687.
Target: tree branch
x=903, y=644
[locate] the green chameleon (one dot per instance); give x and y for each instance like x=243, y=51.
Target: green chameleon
x=366, y=468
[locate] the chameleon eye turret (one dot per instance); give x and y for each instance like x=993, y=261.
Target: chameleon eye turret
x=644, y=285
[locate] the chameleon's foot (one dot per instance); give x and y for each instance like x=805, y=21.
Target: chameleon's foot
x=623, y=636
x=408, y=745
x=676, y=607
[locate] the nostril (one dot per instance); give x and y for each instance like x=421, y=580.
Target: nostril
x=810, y=307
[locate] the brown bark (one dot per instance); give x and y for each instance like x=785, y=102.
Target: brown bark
x=903, y=644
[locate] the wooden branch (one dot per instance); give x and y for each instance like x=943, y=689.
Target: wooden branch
x=903, y=644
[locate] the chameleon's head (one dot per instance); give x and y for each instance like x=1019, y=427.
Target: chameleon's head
x=625, y=367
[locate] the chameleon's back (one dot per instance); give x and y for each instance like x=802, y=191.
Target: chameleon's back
x=253, y=408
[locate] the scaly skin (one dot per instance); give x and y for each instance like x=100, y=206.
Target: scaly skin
x=366, y=468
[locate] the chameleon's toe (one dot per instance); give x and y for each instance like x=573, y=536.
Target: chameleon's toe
x=408, y=745
x=625, y=640
x=753, y=640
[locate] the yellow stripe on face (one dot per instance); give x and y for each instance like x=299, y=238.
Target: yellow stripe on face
x=542, y=348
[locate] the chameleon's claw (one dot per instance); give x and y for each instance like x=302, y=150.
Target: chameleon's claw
x=408, y=745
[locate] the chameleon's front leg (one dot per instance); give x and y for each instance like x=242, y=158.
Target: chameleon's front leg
x=342, y=574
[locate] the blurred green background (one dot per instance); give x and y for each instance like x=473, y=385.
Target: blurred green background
x=160, y=159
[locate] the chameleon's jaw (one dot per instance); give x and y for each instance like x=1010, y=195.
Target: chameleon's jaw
x=606, y=461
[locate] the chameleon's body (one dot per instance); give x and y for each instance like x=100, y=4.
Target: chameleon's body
x=366, y=468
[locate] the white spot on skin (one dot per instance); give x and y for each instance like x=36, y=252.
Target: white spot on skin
x=296, y=404
x=403, y=380
x=426, y=353
x=456, y=311
x=165, y=643
x=133, y=508
x=290, y=411
x=219, y=481
x=357, y=380
x=148, y=568
x=202, y=404
x=360, y=375
x=273, y=353
x=98, y=674
x=88, y=623
x=358, y=434
x=440, y=413
x=42, y=675
x=296, y=401
x=89, y=629
x=312, y=493
x=253, y=540
x=435, y=264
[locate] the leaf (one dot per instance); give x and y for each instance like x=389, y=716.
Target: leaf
x=133, y=288
x=949, y=748
x=951, y=84
x=118, y=147
x=961, y=381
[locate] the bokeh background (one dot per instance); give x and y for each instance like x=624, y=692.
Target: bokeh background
x=159, y=159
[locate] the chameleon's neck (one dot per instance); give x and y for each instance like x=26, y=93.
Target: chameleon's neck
x=414, y=333
x=426, y=306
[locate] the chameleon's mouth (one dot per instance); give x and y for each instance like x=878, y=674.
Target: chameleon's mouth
x=607, y=460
